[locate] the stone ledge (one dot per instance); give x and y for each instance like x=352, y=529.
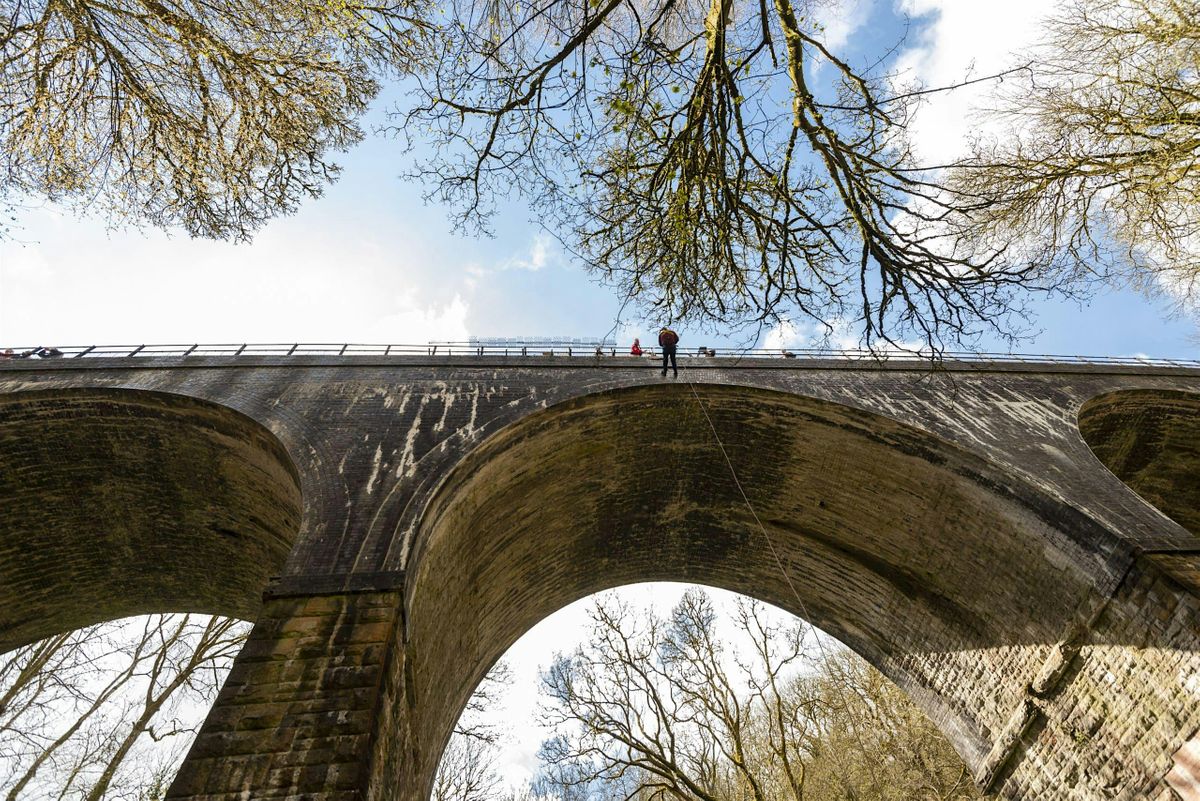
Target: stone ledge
x=301, y=586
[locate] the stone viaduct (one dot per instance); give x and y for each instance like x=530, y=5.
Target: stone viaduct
x=1016, y=545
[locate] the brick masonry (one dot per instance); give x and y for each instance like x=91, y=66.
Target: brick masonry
x=959, y=529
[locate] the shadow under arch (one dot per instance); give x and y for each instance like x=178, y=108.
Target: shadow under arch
x=936, y=566
x=1150, y=439
x=122, y=502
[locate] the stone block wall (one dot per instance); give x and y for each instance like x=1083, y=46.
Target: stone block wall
x=1127, y=702
x=297, y=715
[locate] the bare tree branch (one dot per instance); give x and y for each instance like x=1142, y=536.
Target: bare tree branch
x=683, y=151
x=211, y=115
x=652, y=708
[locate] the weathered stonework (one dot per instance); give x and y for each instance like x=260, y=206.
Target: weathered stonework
x=299, y=708
x=958, y=529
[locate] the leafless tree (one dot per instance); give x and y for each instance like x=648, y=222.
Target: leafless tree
x=667, y=709
x=875, y=741
x=713, y=159
x=210, y=115
x=469, y=769
x=1097, y=160
x=106, y=712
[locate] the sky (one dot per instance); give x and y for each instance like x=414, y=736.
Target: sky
x=371, y=262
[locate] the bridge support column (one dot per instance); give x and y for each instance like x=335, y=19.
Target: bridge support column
x=1119, y=717
x=300, y=709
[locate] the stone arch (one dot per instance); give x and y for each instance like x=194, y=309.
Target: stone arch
x=939, y=568
x=163, y=503
x=1150, y=439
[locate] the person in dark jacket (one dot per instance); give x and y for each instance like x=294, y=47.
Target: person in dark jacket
x=667, y=340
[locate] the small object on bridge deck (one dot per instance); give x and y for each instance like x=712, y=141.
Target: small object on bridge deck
x=40, y=352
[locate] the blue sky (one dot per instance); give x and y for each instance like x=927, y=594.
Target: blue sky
x=372, y=262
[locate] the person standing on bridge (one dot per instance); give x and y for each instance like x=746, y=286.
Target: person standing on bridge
x=667, y=340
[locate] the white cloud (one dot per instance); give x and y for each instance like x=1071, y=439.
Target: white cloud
x=788, y=335
x=966, y=39
x=542, y=252
x=842, y=336
x=785, y=335
x=298, y=283
x=415, y=323
x=25, y=264
x=841, y=18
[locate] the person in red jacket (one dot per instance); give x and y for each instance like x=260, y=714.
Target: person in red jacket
x=636, y=350
x=668, y=339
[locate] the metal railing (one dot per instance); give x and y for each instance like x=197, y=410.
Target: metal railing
x=541, y=348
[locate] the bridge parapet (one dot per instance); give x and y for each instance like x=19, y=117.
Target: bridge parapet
x=580, y=349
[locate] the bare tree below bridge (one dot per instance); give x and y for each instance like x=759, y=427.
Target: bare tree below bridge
x=665, y=709
x=108, y=711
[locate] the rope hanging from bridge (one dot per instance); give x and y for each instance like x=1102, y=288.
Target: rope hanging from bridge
x=877, y=786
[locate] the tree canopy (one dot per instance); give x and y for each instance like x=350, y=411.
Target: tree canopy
x=1096, y=163
x=212, y=116
x=716, y=161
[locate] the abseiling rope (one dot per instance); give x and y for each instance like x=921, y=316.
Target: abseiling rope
x=787, y=579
